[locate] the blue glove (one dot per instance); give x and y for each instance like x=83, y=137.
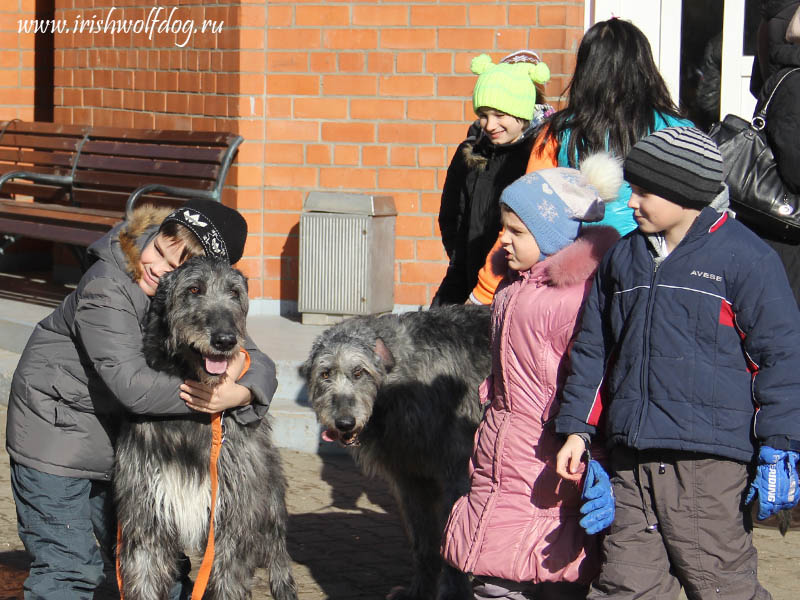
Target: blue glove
x=775, y=482
x=598, y=508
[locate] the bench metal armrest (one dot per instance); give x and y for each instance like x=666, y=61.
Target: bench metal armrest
x=48, y=179
x=178, y=192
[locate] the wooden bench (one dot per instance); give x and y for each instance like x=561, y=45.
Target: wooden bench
x=71, y=184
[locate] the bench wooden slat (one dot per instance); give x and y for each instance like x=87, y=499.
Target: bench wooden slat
x=67, y=224
x=149, y=167
x=39, y=142
x=77, y=235
x=117, y=181
x=40, y=210
x=40, y=191
x=5, y=168
x=45, y=128
x=33, y=157
x=94, y=198
x=135, y=149
x=199, y=138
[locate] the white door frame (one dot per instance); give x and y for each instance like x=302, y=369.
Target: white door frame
x=735, y=96
x=659, y=20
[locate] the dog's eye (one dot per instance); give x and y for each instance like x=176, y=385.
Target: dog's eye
x=325, y=374
x=194, y=290
x=235, y=294
x=357, y=373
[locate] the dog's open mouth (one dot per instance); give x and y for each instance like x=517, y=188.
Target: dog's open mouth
x=345, y=438
x=215, y=365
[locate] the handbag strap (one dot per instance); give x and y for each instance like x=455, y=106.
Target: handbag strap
x=760, y=118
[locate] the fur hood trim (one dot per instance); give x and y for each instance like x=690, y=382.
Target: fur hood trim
x=141, y=219
x=477, y=148
x=577, y=262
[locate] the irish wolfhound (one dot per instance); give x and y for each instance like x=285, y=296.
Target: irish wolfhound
x=402, y=392
x=162, y=484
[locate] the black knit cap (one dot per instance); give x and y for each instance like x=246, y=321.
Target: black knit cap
x=222, y=231
x=681, y=164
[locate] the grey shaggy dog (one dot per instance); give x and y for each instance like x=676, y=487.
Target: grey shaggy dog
x=162, y=486
x=402, y=392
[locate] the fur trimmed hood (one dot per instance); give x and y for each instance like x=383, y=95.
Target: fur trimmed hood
x=578, y=261
x=478, y=147
x=142, y=219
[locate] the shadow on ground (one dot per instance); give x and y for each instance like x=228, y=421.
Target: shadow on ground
x=365, y=551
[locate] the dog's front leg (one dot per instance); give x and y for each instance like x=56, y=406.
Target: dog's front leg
x=245, y=541
x=419, y=501
x=148, y=567
x=453, y=584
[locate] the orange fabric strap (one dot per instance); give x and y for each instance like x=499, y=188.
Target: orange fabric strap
x=116, y=561
x=208, y=557
x=204, y=572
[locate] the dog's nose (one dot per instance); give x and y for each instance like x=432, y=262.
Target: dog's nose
x=345, y=423
x=223, y=340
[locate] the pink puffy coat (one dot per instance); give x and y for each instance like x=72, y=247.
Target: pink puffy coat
x=519, y=520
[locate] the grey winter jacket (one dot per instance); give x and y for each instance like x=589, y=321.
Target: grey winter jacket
x=83, y=369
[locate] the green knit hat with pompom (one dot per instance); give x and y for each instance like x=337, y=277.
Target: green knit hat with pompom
x=507, y=87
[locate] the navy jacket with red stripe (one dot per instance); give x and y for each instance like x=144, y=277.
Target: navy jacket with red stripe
x=699, y=353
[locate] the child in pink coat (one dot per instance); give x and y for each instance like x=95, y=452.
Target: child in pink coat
x=517, y=530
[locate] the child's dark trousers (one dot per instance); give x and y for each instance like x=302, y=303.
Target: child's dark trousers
x=67, y=526
x=680, y=521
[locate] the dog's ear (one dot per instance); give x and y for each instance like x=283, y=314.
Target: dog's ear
x=244, y=299
x=304, y=370
x=155, y=330
x=384, y=354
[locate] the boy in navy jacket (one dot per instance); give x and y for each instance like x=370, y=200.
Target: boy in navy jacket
x=688, y=362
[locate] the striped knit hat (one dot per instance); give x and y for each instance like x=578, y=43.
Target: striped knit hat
x=681, y=164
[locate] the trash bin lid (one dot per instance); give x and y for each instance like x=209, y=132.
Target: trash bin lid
x=344, y=202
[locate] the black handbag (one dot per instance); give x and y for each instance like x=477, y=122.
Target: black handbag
x=757, y=193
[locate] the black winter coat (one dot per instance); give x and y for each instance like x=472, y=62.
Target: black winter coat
x=783, y=117
x=469, y=216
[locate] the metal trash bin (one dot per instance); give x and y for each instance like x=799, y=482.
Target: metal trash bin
x=346, y=256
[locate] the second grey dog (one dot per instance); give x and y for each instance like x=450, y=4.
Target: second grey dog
x=162, y=484
x=402, y=392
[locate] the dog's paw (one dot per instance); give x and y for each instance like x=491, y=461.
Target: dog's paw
x=454, y=586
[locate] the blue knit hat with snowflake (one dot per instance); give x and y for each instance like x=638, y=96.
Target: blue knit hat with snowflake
x=552, y=203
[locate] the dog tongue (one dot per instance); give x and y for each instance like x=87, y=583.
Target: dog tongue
x=329, y=435
x=216, y=366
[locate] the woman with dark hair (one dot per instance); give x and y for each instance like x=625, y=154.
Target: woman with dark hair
x=615, y=98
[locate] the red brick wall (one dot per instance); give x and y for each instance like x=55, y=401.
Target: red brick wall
x=374, y=97
x=204, y=81
x=16, y=61
x=350, y=95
